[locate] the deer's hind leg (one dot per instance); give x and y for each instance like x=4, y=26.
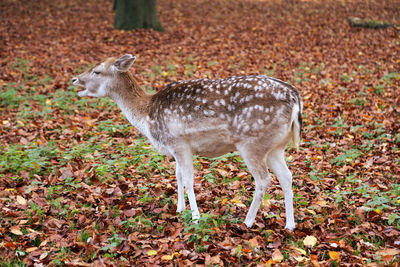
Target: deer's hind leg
x=276, y=162
x=254, y=157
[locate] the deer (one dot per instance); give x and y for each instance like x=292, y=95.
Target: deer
x=256, y=115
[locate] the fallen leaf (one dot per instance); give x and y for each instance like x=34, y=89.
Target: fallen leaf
x=130, y=213
x=388, y=252
x=333, y=255
x=43, y=255
x=31, y=249
x=310, y=241
x=167, y=257
x=221, y=172
x=151, y=252
x=254, y=242
x=300, y=250
x=277, y=256
x=266, y=203
x=311, y=211
x=213, y=261
x=238, y=203
x=16, y=230
x=321, y=203
x=314, y=260
x=10, y=245
x=224, y=201
x=299, y=258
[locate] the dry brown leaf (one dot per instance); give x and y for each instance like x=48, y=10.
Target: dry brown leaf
x=21, y=200
x=31, y=249
x=277, y=256
x=388, y=252
x=16, y=230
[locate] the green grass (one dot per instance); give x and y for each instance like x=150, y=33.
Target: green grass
x=32, y=158
x=12, y=263
x=9, y=97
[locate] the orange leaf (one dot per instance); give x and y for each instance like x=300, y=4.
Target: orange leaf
x=334, y=255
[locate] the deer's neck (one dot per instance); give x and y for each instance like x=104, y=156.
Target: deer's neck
x=134, y=103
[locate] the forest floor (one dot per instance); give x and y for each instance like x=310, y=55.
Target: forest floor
x=79, y=186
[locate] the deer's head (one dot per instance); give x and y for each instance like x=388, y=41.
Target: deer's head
x=101, y=79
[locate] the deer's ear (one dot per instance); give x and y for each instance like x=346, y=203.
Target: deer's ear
x=124, y=63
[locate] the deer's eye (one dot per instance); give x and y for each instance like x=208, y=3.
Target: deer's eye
x=96, y=72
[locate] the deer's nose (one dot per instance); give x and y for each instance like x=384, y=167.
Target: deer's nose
x=74, y=80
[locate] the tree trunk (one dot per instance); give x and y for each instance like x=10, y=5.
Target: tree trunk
x=136, y=14
x=369, y=23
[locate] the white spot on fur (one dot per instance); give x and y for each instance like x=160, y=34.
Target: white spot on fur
x=249, y=97
x=279, y=112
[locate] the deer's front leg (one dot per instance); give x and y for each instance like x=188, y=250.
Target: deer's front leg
x=184, y=171
x=181, y=193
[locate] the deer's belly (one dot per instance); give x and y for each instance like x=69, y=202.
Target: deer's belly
x=212, y=145
x=213, y=150
x=209, y=138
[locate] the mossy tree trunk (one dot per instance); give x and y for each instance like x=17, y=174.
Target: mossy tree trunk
x=136, y=14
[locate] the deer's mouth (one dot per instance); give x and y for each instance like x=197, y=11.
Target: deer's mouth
x=83, y=92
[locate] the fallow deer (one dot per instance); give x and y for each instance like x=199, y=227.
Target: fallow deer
x=255, y=115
